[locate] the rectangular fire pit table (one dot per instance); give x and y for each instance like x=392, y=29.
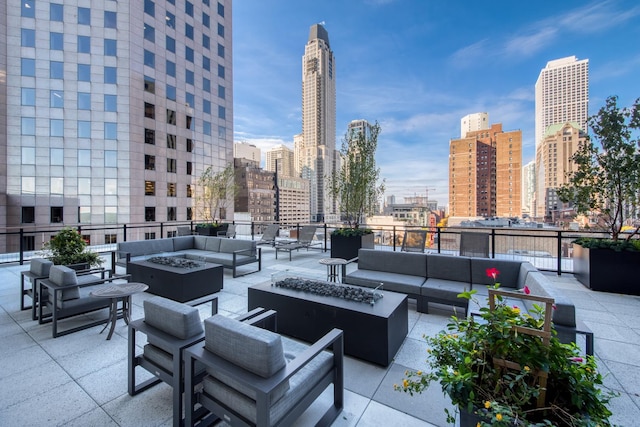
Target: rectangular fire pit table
x=371, y=332
x=176, y=283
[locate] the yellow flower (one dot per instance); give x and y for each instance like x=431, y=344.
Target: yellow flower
x=487, y=404
x=405, y=383
x=499, y=417
x=526, y=368
x=478, y=425
x=419, y=372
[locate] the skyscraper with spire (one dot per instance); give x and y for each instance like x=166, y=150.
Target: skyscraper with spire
x=317, y=148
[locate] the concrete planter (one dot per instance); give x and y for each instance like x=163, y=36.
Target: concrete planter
x=346, y=247
x=211, y=231
x=606, y=270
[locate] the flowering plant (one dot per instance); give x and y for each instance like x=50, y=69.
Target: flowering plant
x=468, y=360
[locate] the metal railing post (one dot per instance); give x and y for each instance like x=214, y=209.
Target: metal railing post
x=439, y=231
x=325, y=237
x=493, y=243
x=124, y=232
x=394, y=238
x=21, y=246
x=559, y=249
x=162, y=230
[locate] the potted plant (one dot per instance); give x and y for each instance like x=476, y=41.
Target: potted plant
x=216, y=191
x=605, y=185
x=355, y=186
x=70, y=249
x=493, y=371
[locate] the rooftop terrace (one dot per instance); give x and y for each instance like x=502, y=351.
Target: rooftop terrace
x=81, y=379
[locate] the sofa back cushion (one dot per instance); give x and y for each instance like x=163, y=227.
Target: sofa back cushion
x=508, y=272
x=448, y=267
x=182, y=243
x=179, y=320
x=254, y=349
x=40, y=267
x=393, y=262
x=212, y=244
x=199, y=242
x=232, y=245
x=64, y=276
x=145, y=247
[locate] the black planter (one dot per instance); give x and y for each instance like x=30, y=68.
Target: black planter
x=606, y=270
x=346, y=247
x=211, y=231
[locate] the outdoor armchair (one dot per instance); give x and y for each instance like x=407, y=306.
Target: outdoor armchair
x=269, y=235
x=414, y=240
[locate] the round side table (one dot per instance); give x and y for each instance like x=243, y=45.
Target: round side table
x=333, y=268
x=118, y=292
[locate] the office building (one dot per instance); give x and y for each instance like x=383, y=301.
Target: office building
x=293, y=200
x=559, y=144
x=473, y=122
x=528, y=188
x=282, y=156
x=109, y=111
x=244, y=150
x=484, y=173
x=255, y=190
x=316, y=150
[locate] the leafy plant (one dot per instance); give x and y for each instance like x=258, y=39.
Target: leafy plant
x=465, y=360
x=216, y=190
x=68, y=248
x=616, y=245
x=355, y=185
x=348, y=232
x=606, y=181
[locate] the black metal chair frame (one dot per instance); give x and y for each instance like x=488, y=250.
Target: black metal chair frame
x=305, y=240
x=419, y=237
x=474, y=244
x=269, y=235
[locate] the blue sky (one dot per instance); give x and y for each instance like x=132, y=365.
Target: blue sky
x=419, y=66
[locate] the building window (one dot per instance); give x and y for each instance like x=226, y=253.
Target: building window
x=149, y=59
x=206, y=127
x=149, y=110
x=56, y=12
x=188, y=54
x=110, y=19
x=111, y=103
x=110, y=130
x=28, y=155
x=84, y=73
x=206, y=20
x=149, y=162
x=171, y=141
x=110, y=75
x=221, y=30
x=28, y=185
x=221, y=71
x=56, y=99
x=110, y=239
x=111, y=186
x=149, y=84
x=28, y=67
x=171, y=165
x=171, y=117
x=189, y=213
x=56, y=156
x=170, y=44
x=149, y=216
x=220, y=50
x=206, y=41
x=220, y=9
x=170, y=19
x=149, y=8
x=188, y=31
x=84, y=129
x=188, y=123
x=189, y=77
x=206, y=85
x=206, y=63
x=150, y=136
x=191, y=99
x=171, y=213
x=56, y=70
x=206, y=106
x=189, y=190
x=28, y=8
x=28, y=37
x=149, y=33
x=84, y=16
x=170, y=68
x=222, y=112
x=56, y=214
x=189, y=145
x=56, y=127
x=84, y=185
x=171, y=92
x=221, y=92
x=84, y=101
x=189, y=168
x=188, y=8
x=84, y=44
x=222, y=132
x=29, y=243
x=111, y=215
x=149, y=188
x=28, y=215
x=110, y=159
x=171, y=189
x=110, y=47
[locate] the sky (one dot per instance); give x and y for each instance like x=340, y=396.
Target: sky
x=419, y=66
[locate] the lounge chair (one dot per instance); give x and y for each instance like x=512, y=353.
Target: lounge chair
x=414, y=240
x=474, y=244
x=306, y=239
x=269, y=235
x=184, y=230
x=230, y=232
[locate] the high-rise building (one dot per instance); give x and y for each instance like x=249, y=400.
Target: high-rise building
x=484, y=173
x=528, y=188
x=317, y=150
x=255, y=190
x=473, y=122
x=282, y=156
x=244, y=150
x=109, y=111
x=562, y=94
x=559, y=144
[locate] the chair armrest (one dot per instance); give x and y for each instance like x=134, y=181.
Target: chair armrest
x=203, y=300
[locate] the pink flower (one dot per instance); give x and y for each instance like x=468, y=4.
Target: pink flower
x=577, y=359
x=526, y=290
x=492, y=272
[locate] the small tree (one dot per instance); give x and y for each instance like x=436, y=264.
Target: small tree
x=69, y=248
x=607, y=179
x=216, y=191
x=355, y=185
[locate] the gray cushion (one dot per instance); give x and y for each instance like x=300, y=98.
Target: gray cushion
x=232, y=245
x=443, y=289
x=40, y=267
x=183, y=242
x=393, y=262
x=64, y=276
x=390, y=281
x=212, y=244
x=254, y=349
x=508, y=272
x=177, y=319
x=565, y=311
x=199, y=242
x=448, y=267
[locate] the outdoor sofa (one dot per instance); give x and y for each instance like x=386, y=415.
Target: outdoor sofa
x=437, y=278
x=230, y=253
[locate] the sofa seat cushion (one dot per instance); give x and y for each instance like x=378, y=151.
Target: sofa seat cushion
x=299, y=385
x=194, y=254
x=84, y=302
x=393, y=262
x=179, y=320
x=481, y=300
x=440, y=289
x=395, y=282
x=447, y=267
x=565, y=312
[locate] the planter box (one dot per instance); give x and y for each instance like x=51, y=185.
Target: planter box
x=211, y=231
x=606, y=270
x=346, y=247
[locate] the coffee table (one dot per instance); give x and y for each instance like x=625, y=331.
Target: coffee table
x=118, y=292
x=178, y=284
x=371, y=332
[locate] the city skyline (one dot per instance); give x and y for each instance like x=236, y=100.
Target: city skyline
x=418, y=68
